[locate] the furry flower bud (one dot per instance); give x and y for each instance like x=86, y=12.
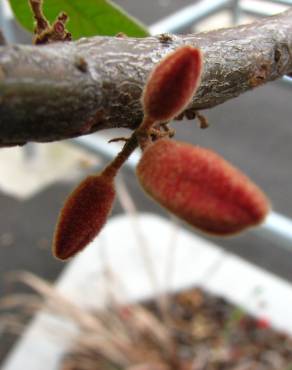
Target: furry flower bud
x=83, y=215
x=201, y=188
x=172, y=84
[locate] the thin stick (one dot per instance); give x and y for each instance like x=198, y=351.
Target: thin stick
x=169, y=268
x=41, y=22
x=128, y=148
x=129, y=206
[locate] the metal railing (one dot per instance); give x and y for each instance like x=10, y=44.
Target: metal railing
x=188, y=16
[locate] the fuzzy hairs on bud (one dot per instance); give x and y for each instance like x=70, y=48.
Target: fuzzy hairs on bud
x=83, y=215
x=201, y=188
x=172, y=84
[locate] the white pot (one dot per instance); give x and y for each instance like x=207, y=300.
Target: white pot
x=124, y=246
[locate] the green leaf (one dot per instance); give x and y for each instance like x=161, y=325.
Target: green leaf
x=86, y=17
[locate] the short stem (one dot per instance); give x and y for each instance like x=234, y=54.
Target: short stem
x=143, y=132
x=37, y=9
x=146, y=124
x=111, y=170
x=140, y=136
x=143, y=140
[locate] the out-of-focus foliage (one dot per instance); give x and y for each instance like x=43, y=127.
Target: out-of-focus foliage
x=87, y=18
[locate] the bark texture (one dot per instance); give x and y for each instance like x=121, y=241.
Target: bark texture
x=62, y=90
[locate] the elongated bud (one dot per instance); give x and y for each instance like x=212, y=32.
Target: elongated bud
x=201, y=188
x=172, y=84
x=83, y=215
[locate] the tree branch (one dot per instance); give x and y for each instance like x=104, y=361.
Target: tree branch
x=63, y=90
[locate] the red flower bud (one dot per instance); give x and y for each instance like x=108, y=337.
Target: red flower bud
x=201, y=188
x=172, y=84
x=83, y=215
x=263, y=323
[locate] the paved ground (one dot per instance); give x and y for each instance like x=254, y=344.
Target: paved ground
x=254, y=132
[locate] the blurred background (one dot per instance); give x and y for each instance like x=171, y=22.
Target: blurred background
x=253, y=132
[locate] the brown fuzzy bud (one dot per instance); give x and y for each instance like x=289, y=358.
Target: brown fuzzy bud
x=83, y=215
x=201, y=188
x=172, y=84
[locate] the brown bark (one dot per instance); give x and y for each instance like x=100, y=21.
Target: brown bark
x=63, y=90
